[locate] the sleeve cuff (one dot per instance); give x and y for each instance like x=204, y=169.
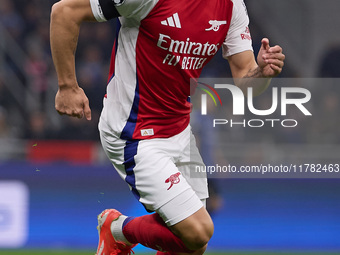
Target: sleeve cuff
x=97, y=11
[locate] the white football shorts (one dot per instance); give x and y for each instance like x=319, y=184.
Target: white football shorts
x=159, y=172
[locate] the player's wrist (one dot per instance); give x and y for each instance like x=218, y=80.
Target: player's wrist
x=68, y=84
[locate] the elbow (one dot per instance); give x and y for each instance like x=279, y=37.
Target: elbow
x=57, y=11
x=57, y=8
x=63, y=11
x=69, y=11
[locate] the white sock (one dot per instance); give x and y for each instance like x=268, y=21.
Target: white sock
x=117, y=230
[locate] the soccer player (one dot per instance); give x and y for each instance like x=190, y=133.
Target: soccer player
x=144, y=125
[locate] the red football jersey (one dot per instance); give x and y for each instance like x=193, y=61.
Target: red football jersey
x=160, y=46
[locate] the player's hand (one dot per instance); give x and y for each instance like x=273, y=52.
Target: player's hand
x=270, y=59
x=72, y=101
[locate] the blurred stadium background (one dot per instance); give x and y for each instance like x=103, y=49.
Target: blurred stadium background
x=55, y=179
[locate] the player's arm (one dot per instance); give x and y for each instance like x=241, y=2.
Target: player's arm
x=247, y=72
x=66, y=19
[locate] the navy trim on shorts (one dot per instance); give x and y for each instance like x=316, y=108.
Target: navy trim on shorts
x=130, y=150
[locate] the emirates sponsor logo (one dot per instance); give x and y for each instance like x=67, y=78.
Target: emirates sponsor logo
x=165, y=42
x=176, y=48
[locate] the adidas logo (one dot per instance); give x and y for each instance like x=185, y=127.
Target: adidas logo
x=172, y=21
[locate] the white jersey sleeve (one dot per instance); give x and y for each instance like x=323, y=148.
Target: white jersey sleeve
x=138, y=9
x=238, y=38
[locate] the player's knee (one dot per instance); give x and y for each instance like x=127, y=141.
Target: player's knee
x=199, y=235
x=195, y=231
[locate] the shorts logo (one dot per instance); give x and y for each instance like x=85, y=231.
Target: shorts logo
x=173, y=179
